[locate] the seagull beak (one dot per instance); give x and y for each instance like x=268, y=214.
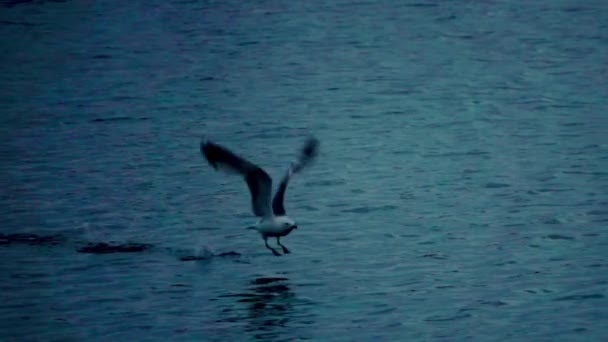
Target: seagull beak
x=294, y=226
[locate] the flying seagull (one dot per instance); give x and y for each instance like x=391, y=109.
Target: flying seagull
x=273, y=221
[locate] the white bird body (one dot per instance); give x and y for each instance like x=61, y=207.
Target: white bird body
x=273, y=219
x=275, y=226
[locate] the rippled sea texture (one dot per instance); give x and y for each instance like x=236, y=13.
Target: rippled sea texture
x=461, y=190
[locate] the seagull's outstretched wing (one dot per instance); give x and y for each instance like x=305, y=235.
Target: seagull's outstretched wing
x=258, y=181
x=307, y=154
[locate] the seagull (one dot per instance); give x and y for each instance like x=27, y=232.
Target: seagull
x=273, y=221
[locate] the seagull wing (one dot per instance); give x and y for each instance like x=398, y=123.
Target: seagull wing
x=258, y=181
x=308, y=152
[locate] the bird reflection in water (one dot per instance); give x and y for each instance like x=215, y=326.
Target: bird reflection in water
x=269, y=304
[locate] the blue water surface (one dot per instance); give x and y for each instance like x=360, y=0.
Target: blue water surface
x=461, y=191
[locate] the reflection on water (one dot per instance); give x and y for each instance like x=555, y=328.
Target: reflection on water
x=270, y=307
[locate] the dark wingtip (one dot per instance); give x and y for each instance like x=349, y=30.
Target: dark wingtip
x=207, y=148
x=308, y=153
x=311, y=147
x=204, y=147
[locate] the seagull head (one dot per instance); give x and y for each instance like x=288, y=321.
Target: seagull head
x=286, y=222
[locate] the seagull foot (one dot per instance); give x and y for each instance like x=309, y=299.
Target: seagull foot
x=285, y=250
x=274, y=251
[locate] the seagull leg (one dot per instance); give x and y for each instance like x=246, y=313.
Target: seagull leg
x=285, y=250
x=272, y=249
